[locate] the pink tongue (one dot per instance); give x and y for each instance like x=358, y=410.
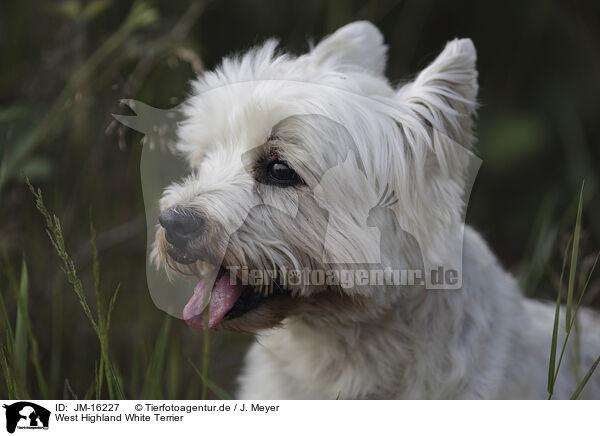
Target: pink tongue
x=222, y=298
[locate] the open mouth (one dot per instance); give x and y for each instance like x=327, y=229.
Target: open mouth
x=181, y=256
x=227, y=300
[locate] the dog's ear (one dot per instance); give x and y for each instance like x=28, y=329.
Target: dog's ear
x=436, y=125
x=444, y=94
x=356, y=46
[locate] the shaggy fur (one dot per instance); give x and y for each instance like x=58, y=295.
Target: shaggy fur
x=397, y=158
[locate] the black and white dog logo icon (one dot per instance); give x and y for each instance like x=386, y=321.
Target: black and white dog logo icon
x=26, y=415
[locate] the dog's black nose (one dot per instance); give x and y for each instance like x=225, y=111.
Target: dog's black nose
x=181, y=225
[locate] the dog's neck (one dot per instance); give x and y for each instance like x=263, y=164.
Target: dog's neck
x=387, y=339
x=412, y=343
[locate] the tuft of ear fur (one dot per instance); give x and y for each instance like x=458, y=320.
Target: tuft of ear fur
x=437, y=129
x=444, y=94
x=356, y=46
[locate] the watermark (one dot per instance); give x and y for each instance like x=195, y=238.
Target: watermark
x=345, y=278
x=25, y=415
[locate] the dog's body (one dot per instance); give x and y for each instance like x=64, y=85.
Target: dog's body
x=483, y=342
x=292, y=160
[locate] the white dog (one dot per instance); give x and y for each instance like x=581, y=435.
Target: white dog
x=316, y=165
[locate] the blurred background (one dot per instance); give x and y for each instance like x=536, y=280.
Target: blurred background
x=65, y=66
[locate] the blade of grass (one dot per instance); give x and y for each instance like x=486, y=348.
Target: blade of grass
x=9, y=378
x=112, y=381
x=152, y=385
x=22, y=308
x=7, y=350
x=540, y=246
x=119, y=393
x=585, y=380
x=577, y=349
x=173, y=371
x=554, y=345
x=111, y=306
x=68, y=389
x=98, y=383
x=6, y=353
x=100, y=317
x=587, y=280
x=8, y=332
x=90, y=391
x=219, y=392
x=574, y=255
x=99, y=375
x=96, y=271
x=575, y=315
x=564, y=347
x=578, y=360
x=21, y=342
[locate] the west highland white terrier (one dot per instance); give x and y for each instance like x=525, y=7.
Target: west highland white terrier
x=324, y=212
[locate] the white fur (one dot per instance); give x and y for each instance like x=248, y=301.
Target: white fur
x=482, y=341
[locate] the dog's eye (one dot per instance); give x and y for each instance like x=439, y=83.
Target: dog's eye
x=280, y=173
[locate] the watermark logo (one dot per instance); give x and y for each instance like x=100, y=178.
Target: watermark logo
x=25, y=415
x=344, y=278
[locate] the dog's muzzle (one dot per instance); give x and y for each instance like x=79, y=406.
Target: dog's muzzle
x=219, y=295
x=182, y=225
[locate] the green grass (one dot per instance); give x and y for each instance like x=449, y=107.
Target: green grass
x=140, y=16
x=552, y=371
x=585, y=379
x=101, y=321
x=20, y=348
x=574, y=255
x=571, y=309
x=222, y=394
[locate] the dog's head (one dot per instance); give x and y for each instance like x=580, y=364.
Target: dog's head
x=293, y=159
